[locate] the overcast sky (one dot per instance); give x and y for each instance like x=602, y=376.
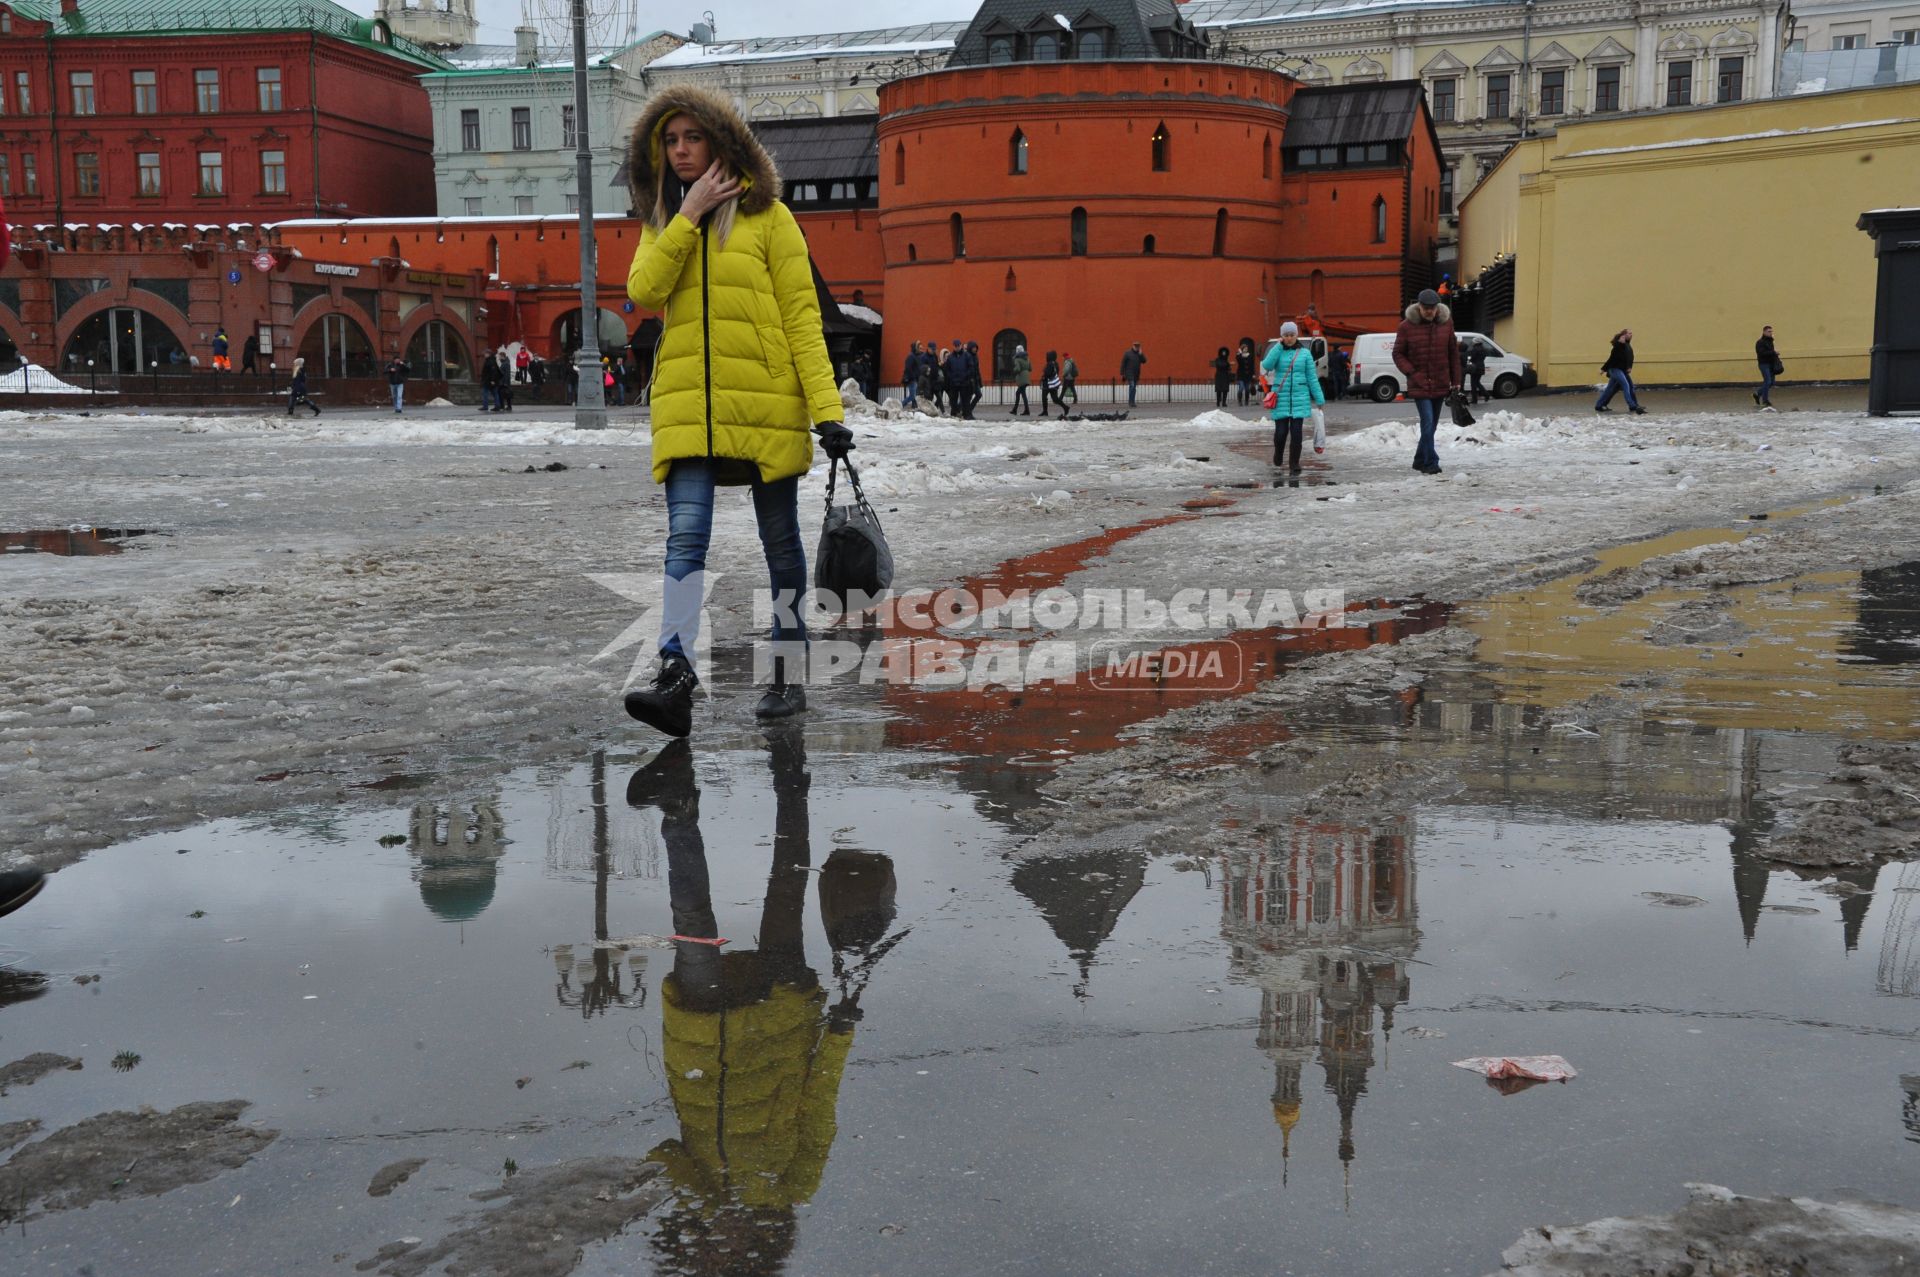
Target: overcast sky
x=738, y=20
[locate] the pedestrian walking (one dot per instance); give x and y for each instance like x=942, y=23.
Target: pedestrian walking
x=523, y=364
x=572, y=374
x=297, y=389
x=1246, y=364
x=1477, y=370
x=1290, y=370
x=1427, y=354
x=398, y=370
x=1770, y=367
x=976, y=384
x=1222, y=376
x=1130, y=365
x=959, y=381
x=1022, y=374
x=220, y=361
x=941, y=402
x=503, y=389
x=1618, y=371
x=1051, y=386
x=729, y=406
x=1069, y=375
x=250, y=354
x=1339, y=362
x=489, y=384
x=910, y=377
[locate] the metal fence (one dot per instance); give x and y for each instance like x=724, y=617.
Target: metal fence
x=1100, y=396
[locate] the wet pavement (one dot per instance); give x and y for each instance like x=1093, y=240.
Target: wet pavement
x=923, y=1047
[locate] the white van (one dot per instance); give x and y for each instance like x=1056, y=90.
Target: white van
x=1316, y=346
x=1376, y=376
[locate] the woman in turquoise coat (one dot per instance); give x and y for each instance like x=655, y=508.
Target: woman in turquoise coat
x=1290, y=371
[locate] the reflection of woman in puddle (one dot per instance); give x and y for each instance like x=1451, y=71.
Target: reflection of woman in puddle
x=753, y=1052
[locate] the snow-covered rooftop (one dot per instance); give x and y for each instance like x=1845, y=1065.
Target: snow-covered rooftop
x=1738, y=137
x=1232, y=13
x=930, y=37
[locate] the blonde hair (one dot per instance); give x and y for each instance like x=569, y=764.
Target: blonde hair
x=722, y=216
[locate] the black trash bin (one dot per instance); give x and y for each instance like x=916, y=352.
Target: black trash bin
x=1894, y=372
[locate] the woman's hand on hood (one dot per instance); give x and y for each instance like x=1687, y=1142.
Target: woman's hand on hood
x=715, y=187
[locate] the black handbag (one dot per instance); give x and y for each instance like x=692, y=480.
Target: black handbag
x=1458, y=402
x=854, y=556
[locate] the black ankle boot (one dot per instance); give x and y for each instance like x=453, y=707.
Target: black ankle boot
x=667, y=705
x=17, y=886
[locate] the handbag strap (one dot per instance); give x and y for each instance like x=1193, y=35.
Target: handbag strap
x=853, y=478
x=1291, y=365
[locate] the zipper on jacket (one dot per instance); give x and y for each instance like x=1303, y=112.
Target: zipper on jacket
x=706, y=335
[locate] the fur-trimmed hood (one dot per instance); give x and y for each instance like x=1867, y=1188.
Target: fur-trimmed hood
x=1442, y=314
x=733, y=143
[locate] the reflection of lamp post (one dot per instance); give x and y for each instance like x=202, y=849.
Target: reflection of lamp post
x=590, y=401
x=600, y=984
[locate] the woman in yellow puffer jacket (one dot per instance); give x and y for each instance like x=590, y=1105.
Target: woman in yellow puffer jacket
x=740, y=376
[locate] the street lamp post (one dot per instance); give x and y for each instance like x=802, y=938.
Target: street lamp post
x=590, y=400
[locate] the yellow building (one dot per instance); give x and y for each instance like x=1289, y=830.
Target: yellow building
x=1694, y=228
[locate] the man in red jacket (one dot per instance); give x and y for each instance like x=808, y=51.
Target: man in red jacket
x=1426, y=353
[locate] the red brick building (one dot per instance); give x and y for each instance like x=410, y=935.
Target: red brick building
x=1074, y=185
x=208, y=111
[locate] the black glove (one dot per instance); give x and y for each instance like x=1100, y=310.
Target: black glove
x=835, y=439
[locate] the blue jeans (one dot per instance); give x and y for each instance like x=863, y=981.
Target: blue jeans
x=489, y=398
x=1133, y=388
x=399, y=396
x=1617, y=381
x=1766, y=383
x=909, y=394
x=1425, y=457
x=690, y=485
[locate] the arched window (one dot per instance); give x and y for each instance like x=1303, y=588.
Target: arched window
x=1379, y=219
x=1017, y=153
x=1146, y=246
x=913, y=254
x=1046, y=48
x=493, y=256
x=1093, y=45
x=899, y=163
x=1220, y=233
x=1079, y=232
x=1266, y=156
x=1000, y=49
x=1317, y=288
x=1004, y=343
x=1160, y=147
x=959, y=230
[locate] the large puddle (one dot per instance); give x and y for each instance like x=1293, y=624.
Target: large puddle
x=918, y=1050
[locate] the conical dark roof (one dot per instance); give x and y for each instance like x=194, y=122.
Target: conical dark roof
x=1082, y=896
x=1127, y=28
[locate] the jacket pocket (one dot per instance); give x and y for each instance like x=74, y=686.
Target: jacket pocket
x=774, y=349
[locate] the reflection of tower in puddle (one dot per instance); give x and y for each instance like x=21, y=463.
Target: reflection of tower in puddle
x=1082, y=897
x=1323, y=921
x=1899, y=974
x=456, y=851
x=1910, y=1110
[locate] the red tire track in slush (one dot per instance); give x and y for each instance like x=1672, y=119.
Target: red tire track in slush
x=1051, y=719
